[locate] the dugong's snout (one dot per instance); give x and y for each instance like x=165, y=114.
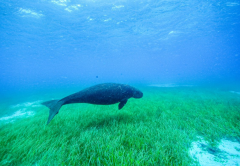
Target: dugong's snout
x=137, y=94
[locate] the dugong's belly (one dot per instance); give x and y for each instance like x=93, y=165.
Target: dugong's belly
x=101, y=99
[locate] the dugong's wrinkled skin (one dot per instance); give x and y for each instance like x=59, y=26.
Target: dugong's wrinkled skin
x=102, y=94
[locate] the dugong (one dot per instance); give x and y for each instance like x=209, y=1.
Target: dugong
x=102, y=94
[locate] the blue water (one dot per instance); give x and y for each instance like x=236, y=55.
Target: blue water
x=184, y=55
x=62, y=44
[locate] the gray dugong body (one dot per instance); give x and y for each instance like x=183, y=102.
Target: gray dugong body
x=102, y=94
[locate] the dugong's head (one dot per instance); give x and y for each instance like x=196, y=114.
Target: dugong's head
x=137, y=93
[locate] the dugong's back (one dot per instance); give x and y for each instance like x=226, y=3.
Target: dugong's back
x=103, y=94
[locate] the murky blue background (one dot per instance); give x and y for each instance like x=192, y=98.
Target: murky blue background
x=60, y=44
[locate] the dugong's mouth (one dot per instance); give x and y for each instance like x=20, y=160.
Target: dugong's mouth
x=137, y=94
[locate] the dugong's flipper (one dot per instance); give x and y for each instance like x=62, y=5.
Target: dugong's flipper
x=54, y=106
x=122, y=103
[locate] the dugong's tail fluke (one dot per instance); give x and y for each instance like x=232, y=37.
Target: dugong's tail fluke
x=54, y=106
x=50, y=104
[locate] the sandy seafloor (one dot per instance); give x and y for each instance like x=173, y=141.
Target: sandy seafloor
x=228, y=151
